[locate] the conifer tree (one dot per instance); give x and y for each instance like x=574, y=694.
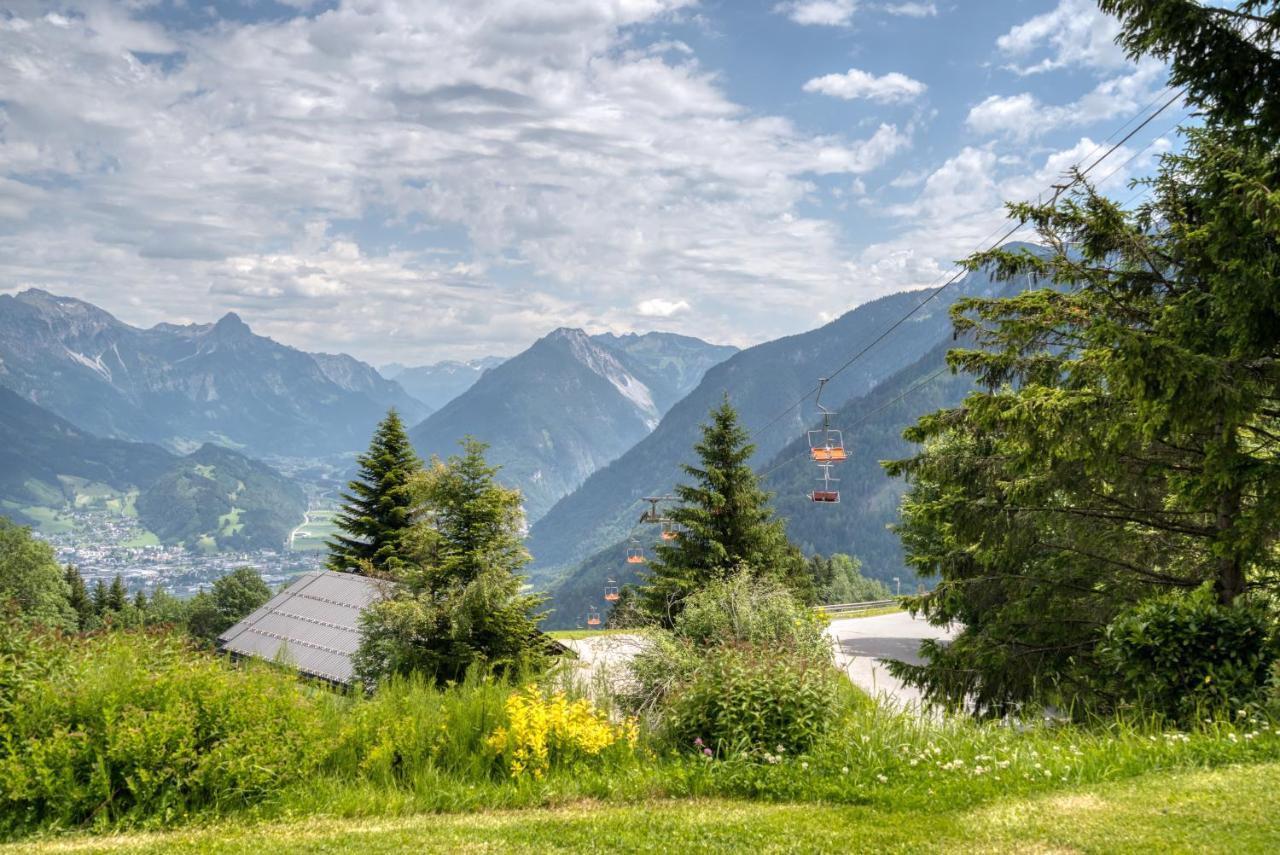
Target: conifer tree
x=460, y=600
x=117, y=595
x=78, y=597
x=379, y=507
x=725, y=525
x=99, y=598
x=1127, y=443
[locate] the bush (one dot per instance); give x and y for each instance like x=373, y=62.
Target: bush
x=746, y=610
x=1185, y=654
x=132, y=728
x=745, y=667
x=545, y=732
x=754, y=699
x=412, y=728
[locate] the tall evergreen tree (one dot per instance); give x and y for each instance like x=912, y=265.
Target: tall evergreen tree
x=99, y=598
x=117, y=595
x=459, y=601
x=725, y=525
x=78, y=597
x=379, y=507
x=1129, y=440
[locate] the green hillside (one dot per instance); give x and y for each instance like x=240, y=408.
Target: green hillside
x=214, y=498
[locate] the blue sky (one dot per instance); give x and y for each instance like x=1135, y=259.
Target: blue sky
x=414, y=181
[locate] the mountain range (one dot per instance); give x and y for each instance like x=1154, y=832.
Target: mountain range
x=213, y=498
x=438, y=384
x=568, y=405
x=914, y=382
x=760, y=381
x=183, y=386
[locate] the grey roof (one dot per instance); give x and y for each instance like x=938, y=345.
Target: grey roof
x=314, y=624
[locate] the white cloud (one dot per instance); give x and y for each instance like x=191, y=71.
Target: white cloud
x=410, y=180
x=1024, y=117
x=886, y=89
x=820, y=13
x=959, y=209
x=912, y=10
x=657, y=307
x=1075, y=33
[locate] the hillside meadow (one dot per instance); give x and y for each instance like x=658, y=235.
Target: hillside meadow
x=133, y=734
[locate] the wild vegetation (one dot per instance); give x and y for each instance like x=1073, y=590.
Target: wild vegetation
x=1100, y=518
x=1124, y=446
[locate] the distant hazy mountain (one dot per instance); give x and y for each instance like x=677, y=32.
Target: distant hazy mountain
x=181, y=386
x=760, y=381
x=212, y=498
x=568, y=405
x=438, y=384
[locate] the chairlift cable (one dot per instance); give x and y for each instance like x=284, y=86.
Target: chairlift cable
x=1078, y=177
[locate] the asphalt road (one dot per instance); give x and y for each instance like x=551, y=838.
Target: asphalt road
x=862, y=643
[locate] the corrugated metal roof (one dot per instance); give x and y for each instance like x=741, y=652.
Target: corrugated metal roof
x=313, y=625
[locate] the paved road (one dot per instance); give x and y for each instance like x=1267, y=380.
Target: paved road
x=861, y=644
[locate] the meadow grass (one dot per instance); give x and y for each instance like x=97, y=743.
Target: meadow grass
x=414, y=748
x=1230, y=809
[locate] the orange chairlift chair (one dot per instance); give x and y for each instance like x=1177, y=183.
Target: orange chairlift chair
x=826, y=444
x=635, y=553
x=828, y=495
x=593, y=617
x=611, y=591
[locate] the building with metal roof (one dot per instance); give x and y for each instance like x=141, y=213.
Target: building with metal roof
x=313, y=625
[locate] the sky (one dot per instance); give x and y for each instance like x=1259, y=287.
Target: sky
x=417, y=181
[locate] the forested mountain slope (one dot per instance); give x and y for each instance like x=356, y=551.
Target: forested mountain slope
x=214, y=498
x=760, y=381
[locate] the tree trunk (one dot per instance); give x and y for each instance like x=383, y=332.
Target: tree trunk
x=1230, y=581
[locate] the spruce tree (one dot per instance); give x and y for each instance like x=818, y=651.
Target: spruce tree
x=78, y=598
x=1127, y=438
x=99, y=598
x=117, y=595
x=725, y=525
x=460, y=601
x=379, y=507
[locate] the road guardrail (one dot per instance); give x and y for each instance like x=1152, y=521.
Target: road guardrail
x=853, y=608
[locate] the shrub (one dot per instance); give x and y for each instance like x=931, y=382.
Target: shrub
x=740, y=610
x=743, y=609
x=1184, y=654
x=752, y=698
x=411, y=727
x=126, y=728
x=542, y=732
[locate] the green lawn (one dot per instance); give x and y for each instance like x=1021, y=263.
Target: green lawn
x=1232, y=809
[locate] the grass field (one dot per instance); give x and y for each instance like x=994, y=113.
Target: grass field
x=1232, y=809
x=319, y=528
x=49, y=520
